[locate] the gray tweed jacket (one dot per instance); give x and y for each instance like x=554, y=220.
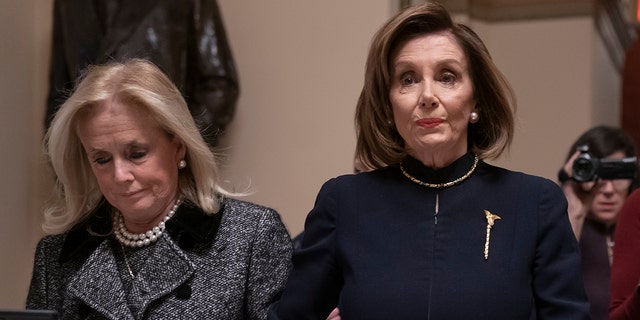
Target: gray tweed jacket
x=230, y=265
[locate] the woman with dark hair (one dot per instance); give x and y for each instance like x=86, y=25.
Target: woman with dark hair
x=433, y=231
x=594, y=204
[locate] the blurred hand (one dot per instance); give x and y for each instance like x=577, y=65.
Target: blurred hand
x=334, y=315
x=579, y=200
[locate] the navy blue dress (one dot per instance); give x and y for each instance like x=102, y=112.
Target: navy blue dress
x=380, y=246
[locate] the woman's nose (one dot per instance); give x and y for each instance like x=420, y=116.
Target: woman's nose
x=427, y=96
x=122, y=171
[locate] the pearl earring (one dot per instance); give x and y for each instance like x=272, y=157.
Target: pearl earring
x=182, y=164
x=474, y=117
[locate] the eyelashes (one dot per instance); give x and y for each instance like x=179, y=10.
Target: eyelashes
x=132, y=156
x=447, y=78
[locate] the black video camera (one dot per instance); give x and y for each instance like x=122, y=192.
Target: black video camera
x=587, y=168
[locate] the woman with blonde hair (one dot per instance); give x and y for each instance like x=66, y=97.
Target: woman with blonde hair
x=141, y=228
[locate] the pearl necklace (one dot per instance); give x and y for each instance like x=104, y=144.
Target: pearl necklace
x=441, y=185
x=140, y=239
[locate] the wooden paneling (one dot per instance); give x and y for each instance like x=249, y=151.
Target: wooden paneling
x=498, y=10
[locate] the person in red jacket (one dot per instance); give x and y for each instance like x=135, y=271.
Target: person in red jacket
x=625, y=270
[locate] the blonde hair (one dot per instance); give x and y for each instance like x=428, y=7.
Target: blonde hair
x=378, y=142
x=137, y=83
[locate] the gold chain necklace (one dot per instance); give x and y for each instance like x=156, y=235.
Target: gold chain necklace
x=441, y=185
x=126, y=261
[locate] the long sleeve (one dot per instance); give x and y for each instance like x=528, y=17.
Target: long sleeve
x=36, y=298
x=313, y=287
x=625, y=270
x=270, y=264
x=557, y=280
x=42, y=292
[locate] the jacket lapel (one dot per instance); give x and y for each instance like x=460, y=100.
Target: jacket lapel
x=166, y=268
x=98, y=284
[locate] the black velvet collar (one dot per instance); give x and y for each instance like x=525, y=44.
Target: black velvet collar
x=449, y=173
x=188, y=227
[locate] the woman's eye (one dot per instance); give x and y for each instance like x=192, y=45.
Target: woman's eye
x=407, y=79
x=138, y=154
x=101, y=160
x=448, y=78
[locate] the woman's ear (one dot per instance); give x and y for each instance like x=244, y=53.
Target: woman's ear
x=181, y=148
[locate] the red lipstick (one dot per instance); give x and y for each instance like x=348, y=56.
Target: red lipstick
x=429, y=122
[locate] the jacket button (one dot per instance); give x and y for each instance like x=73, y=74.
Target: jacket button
x=83, y=311
x=183, y=292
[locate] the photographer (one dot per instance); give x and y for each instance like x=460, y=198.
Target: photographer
x=597, y=177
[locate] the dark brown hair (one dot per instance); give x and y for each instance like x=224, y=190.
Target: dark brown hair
x=378, y=142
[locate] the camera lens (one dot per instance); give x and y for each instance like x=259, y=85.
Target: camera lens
x=584, y=168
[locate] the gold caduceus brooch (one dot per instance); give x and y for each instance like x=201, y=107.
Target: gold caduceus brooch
x=491, y=218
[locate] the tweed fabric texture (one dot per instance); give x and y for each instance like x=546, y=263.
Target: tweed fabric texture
x=230, y=265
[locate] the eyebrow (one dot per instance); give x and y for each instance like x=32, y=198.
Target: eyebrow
x=447, y=61
x=402, y=63
x=130, y=144
x=451, y=60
